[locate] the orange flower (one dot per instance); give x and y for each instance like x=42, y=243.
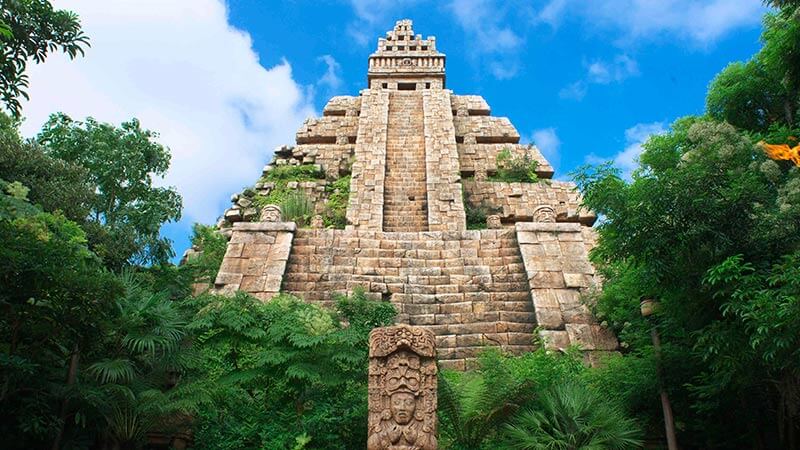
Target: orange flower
x=782, y=152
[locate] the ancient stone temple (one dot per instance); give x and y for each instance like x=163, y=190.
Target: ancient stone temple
x=419, y=158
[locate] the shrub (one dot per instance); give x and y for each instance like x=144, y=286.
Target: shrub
x=336, y=208
x=515, y=168
x=477, y=214
x=570, y=415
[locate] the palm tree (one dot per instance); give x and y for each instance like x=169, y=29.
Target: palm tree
x=475, y=407
x=144, y=353
x=571, y=416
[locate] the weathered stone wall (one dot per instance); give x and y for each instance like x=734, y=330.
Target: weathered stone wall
x=328, y=130
x=468, y=287
x=342, y=105
x=485, y=130
x=481, y=159
x=469, y=105
x=255, y=259
x=445, y=199
x=517, y=201
x=557, y=267
x=333, y=159
x=365, y=207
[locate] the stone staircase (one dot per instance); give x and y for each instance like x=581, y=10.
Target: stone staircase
x=470, y=288
x=405, y=206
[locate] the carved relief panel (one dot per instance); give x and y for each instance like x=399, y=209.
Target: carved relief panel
x=402, y=389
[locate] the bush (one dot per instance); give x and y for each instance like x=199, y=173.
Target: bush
x=570, y=415
x=515, y=168
x=477, y=213
x=336, y=208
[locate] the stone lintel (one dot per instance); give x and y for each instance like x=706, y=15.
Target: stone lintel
x=569, y=227
x=265, y=226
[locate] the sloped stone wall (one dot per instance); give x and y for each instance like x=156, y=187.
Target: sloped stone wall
x=558, y=270
x=365, y=207
x=445, y=198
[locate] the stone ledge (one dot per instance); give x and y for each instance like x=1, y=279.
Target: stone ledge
x=265, y=226
x=571, y=227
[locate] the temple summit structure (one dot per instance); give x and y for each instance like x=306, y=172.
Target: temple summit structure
x=420, y=161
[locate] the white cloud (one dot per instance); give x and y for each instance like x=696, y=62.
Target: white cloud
x=619, y=69
x=601, y=72
x=184, y=71
x=627, y=159
x=547, y=141
x=332, y=79
x=552, y=12
x=574, y=91
x=493, y=42
x=701, y=22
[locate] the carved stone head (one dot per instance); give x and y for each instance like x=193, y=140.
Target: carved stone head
x=403, y=405
x=317, y=222
x=544, y=213
x=493, y=222
x=271, y=213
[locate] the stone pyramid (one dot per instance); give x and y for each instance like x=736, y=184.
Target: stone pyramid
x=419, y=158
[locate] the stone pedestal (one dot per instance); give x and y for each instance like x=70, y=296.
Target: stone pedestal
x=402, y=389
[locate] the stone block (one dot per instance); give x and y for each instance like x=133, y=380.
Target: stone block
x=555, y=339
x=549, y=318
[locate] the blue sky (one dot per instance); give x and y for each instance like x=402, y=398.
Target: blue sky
x=225, y=83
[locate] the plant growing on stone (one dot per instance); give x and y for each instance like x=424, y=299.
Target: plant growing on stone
x=302, y=172
x=515, y=168
x=336, y=206
x=476, y=214
x=297, y=208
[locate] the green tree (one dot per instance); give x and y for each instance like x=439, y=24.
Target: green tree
x=54, y=292
x=703, y=193
x=127, y=211
x=54, y=184
x=766, y=89
x=31, y=30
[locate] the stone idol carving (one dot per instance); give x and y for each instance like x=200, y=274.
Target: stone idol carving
x=493, y=222
x=271, y=213
x=544, y=213
x=402, y=389
x=317, y=222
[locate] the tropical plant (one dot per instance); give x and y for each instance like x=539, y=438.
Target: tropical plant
x=284, y=371
x=474, y=406
x=571, y=416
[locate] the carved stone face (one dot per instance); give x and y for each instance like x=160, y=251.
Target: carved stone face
x=271, y=213
x=317, y=222
x=544, y=214
x=403, y=406
x=493, y=222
